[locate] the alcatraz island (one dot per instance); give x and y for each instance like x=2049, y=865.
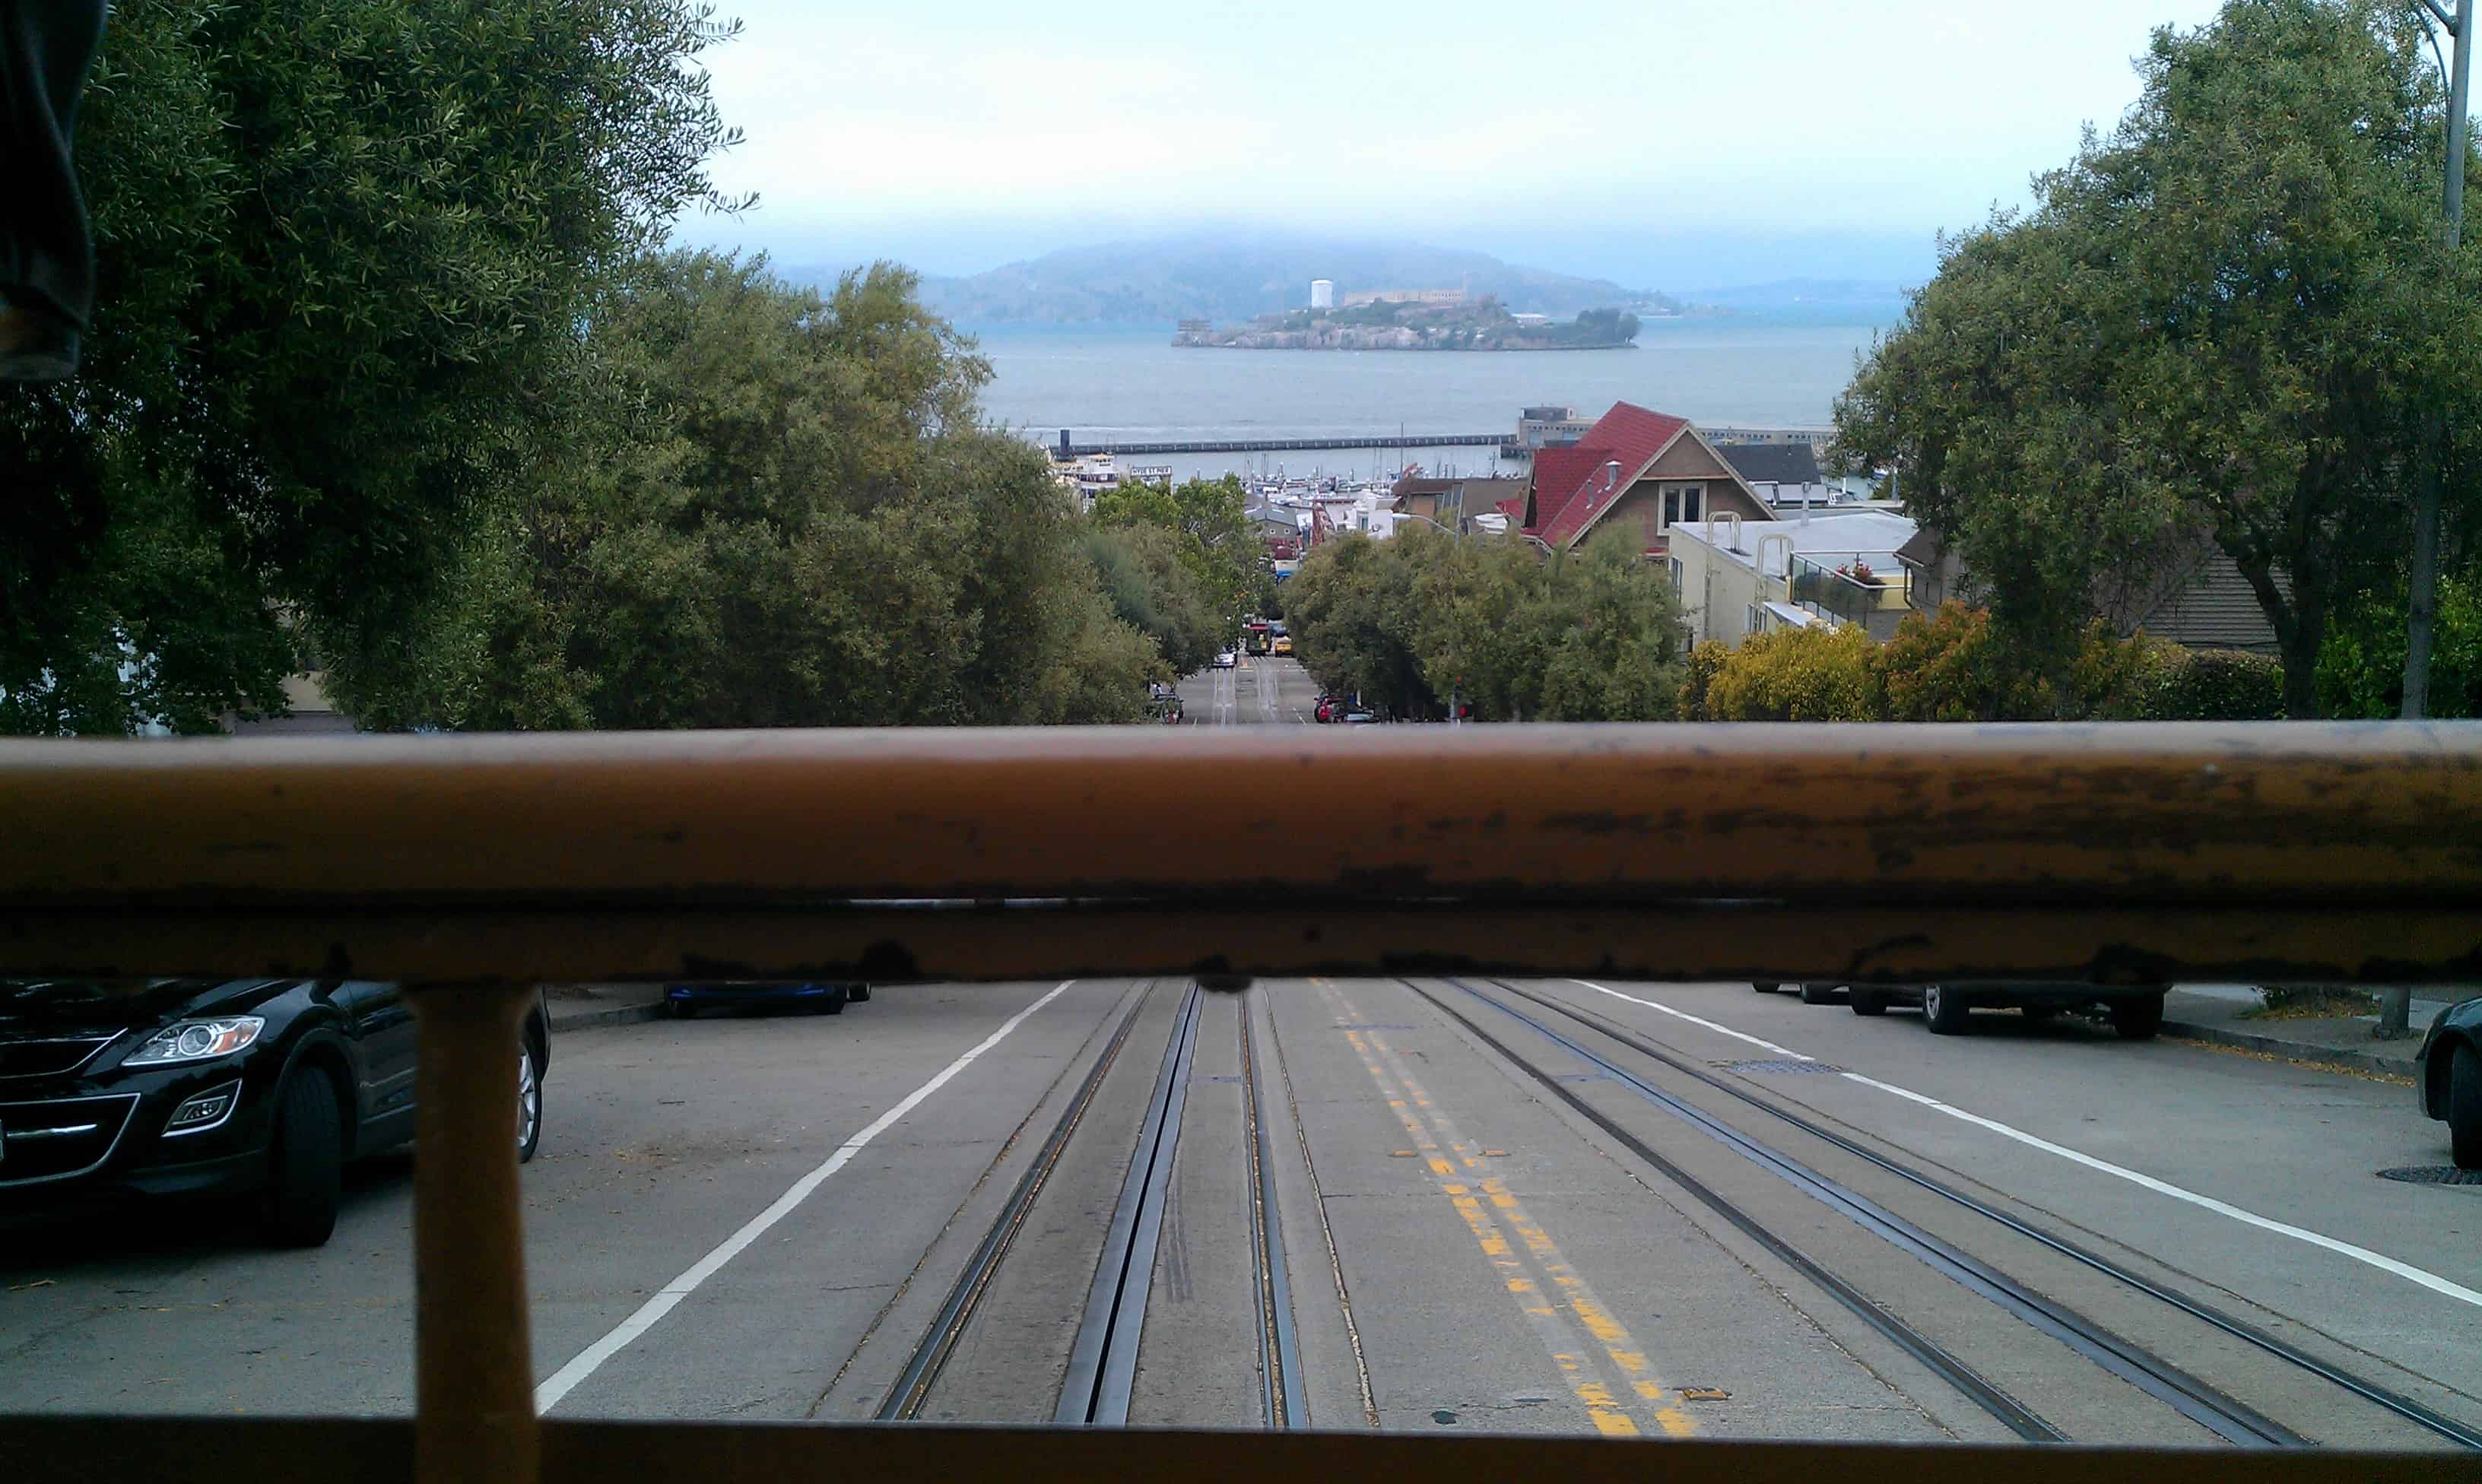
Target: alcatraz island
x=1413, y=320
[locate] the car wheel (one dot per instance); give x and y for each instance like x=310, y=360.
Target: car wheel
x=858, y=993
x=530, y=1104
x=2137, y=1019
x=1767, y=988
x=307, y=1166
x=1870, y=1002
x=835, y=1002
x=2464, y=1107
x=1945, y=1011
x=1818, y=994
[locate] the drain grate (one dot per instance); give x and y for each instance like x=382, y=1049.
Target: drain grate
x=1774, y=1066
x=2432, y=1175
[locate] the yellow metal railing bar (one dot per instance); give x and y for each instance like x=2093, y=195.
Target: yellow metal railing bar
x=471, y=868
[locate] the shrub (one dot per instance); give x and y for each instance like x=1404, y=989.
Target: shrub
x=2218, y=685
x=1698, y=676
x=1955, y=668
x=2113, y=679
x=1817, y=674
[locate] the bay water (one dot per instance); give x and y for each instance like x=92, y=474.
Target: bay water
x=1116, y=384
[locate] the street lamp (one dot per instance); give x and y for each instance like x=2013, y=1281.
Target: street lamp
x=2421, y=585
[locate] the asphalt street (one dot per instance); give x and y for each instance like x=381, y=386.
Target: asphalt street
x=1437, y=1205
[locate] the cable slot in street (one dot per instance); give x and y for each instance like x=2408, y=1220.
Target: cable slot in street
x=905, y=1399
x=1279, y=1353
x=1103, y=1362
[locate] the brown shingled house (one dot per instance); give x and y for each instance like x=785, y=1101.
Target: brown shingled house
x=2200, y=599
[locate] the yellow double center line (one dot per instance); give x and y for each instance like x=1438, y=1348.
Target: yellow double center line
x=1555, y=1298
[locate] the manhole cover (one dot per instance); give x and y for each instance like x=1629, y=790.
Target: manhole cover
x=1776, y=1066
x=2432, y=1175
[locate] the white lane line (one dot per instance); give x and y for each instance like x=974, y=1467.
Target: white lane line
x=565, y=1379
x=2428, y=1280
x=1781, y=1050
x=2380, y=1260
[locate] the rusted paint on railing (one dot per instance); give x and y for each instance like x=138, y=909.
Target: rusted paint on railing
x=1694, y=942
x=2326, y=814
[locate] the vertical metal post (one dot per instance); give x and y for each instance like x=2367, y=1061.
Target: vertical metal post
x=2460, y=96
x=2422, y=578
x=474, y=1411
x=2421, y=619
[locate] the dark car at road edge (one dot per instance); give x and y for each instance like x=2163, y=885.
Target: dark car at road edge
x=257, y=1088
x=2452, y=1077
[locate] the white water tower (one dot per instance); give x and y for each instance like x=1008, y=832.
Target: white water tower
x=1322, y=294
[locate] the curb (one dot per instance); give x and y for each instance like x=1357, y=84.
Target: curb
x=2293, y=1051
x=616, y=1015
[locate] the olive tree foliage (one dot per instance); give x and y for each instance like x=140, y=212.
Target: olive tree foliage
x=1209, y=520
x=779, y=511
x=342, y=248
x=2225, y=322
x=1592, y=634
x=1140, y=570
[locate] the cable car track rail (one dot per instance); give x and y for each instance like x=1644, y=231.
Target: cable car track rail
x=2463, y=1434
x=2193, y=1398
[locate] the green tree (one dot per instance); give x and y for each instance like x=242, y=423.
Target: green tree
x=1142, y=575
x=343, y=245
x=780, y=514
x=2223, y=322
x=1217, y=540
x=1491, y=642
x=1615, y=630
x=2361, y=669
x=1352, y=611
x=1591, y=635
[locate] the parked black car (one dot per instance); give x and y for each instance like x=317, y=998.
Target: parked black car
x=262, y=1088
x=2452, y=1077
x=2135, y=1011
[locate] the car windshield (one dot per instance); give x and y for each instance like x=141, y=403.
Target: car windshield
x=1902, y=493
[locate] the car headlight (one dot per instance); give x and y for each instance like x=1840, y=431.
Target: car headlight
x=196, y=1040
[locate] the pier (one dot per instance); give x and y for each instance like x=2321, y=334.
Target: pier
x=1506, y=442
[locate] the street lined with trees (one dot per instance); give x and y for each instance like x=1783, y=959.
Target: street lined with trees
x=1593, y=634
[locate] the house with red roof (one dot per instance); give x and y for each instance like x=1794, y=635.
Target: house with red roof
x=1635, y=469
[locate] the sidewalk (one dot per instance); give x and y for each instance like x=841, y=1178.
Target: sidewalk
x=576, y=1006
x=2213, y=1012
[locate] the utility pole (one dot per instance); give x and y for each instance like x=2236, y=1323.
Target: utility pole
x=2423, y=601
x=2421, y=605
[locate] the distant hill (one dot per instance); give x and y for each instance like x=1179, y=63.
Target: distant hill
x=1229, y=279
